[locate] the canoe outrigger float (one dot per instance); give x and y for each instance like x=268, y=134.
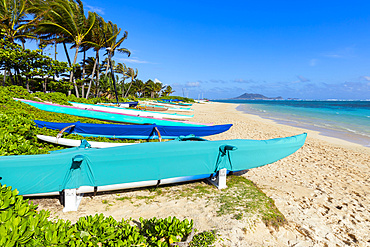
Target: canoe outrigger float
x=72, y=172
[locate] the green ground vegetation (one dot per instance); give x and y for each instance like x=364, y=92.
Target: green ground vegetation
x=241, y=199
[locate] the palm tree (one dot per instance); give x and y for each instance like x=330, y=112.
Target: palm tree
x=96, y=40
x=17, y=19
x=122, y=69
x=89, y=66
x=158, y=87
x=131, y=73
x=168, y=90
x=150, y=88
x=112, y=44
x=67, y=19
x=138, y=88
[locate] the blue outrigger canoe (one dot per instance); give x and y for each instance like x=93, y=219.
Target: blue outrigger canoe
x=120, y=131
x=85, y=169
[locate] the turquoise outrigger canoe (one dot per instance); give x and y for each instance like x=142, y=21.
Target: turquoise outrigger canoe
x=186, y=158
x=107, y=116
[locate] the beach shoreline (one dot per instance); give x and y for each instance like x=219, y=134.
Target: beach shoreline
x=343, y=134
x=322, y=190
x=334, y=137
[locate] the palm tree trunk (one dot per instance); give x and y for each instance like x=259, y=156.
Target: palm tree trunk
x=128, y=90
x=55, y=57
x=123, y=86
x=16, y=77
x=83, y=76
x=67, y=55
x=19, y=77
x=11, y=77
x=97, y=77
x=55, y=50
x=92, y=77
x=71, y=78
x=68, y=59
x=4, y=77
x=44, y=84
x=27, y=84
x=106, y=69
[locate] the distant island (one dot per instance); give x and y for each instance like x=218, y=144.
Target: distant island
x=253, y=96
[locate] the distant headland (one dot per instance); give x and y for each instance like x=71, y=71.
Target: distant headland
x=253, y=96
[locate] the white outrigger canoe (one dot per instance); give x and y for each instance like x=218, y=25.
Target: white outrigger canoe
x=169, y=106
x=77, y=143
x=134, y=112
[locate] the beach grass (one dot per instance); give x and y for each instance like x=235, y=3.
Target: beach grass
x=243, y=198
x=240, y=200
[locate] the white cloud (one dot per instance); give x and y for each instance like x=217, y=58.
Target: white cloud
x=98, y=10
x=366, y=78
x=132, y=60
x=217, y=81
x=156, y=80
x=193, y=84
x=243, y=81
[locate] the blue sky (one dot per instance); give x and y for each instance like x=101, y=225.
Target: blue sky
x=222, y=49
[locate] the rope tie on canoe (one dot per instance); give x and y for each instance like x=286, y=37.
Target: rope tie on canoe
x=59, y=135
x=79, y=173
x=224, y=157
x=159, y=134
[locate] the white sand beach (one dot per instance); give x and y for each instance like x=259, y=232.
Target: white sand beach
x=323, y=190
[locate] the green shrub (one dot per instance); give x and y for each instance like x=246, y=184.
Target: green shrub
x=22, y=225
x=204, y=239
x=163, y=232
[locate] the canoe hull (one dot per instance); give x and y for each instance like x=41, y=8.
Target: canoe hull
x=130, y=111
x=77, y=167
x=77, y=143
x=115, y=117
x=134, y=131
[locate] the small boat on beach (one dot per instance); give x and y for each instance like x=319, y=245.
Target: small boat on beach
x=121, y=104
x=130, y=111
x=168, y=106
x=178, y=103
x=121, y=131
x=107, y=116
x=151, y=108
x=77, y=143
x=84, y=169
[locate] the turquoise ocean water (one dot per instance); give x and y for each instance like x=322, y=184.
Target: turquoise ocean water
x=348, y=120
